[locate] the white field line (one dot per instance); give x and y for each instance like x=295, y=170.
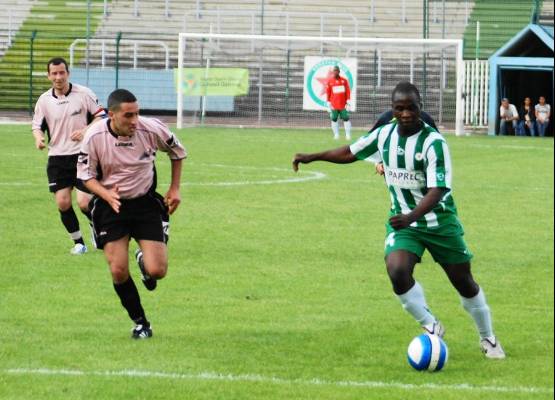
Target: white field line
x=306, y=176
x=509, y=146
x=214, y=376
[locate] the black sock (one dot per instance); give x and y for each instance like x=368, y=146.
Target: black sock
x=130, y=300
x=71, y=223
x=88, y=215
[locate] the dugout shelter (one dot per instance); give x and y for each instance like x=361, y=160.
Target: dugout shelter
x=523, y=67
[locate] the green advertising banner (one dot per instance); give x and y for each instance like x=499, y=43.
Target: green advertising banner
x=214, y=81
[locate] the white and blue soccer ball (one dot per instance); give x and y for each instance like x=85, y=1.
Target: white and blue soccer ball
x=427, y=353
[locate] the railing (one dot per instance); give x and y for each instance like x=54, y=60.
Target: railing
x=134, y=43
x=254, y=15
x=476, y=91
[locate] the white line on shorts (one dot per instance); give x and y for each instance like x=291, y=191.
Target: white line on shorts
x=215, y=376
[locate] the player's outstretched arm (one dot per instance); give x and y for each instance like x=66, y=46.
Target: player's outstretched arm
x=341, y=155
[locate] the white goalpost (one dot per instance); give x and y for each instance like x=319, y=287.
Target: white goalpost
x=266, y=81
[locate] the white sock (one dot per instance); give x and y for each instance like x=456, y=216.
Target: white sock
x=335, y=128
x=347, y=125
x=480, y=312
x=414, y=303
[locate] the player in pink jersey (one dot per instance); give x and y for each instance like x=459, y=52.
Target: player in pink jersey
x=338, y=94
x=63, y=113
x=117, y=165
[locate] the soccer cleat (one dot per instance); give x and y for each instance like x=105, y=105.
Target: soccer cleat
x=436, y=328
x=141, y=332
x=78, y=249
x=348, y=137
x=149, y=282
x=492, y=348
x=336, y=137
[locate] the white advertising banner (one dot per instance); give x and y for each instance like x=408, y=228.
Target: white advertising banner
x=317, y=72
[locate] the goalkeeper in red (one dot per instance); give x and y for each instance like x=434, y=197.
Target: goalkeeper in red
x=338, y=95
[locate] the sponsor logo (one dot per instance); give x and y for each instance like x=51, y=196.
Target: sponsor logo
x=62, y=102
x=124, y=144
x=76, y=112
x=400, y=151
x=405, y=179
x=102, y=233
x=440, y=176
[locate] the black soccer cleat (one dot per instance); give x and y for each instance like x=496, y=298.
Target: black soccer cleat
x=141, y=332
x=148, y=281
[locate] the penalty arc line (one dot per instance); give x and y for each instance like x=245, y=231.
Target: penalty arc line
x=214, y=376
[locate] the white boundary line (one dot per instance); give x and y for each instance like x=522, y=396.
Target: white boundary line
x=509, y=146
x=215, y=376
x=308, y=176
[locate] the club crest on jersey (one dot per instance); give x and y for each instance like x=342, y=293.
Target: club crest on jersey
x=418, y=157
x=440, y=176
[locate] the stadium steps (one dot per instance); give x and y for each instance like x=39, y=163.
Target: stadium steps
x=58, y=22
x=498, y=24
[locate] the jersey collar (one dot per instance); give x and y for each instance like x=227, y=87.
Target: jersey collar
x=65, y=94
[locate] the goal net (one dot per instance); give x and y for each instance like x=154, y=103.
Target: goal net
x=269, y=81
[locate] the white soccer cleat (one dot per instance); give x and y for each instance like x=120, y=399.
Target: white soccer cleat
x=348, y=137
x=492, y=348
x=336, y=137
x=436, y=328
x=78, y=249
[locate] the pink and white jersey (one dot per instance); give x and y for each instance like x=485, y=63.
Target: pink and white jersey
x=126, y=161
x=60, y=116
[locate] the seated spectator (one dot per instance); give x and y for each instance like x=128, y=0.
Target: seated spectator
x=527, y=124
x=508, y=115
x=543, y=112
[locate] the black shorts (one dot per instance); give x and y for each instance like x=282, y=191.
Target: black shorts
x=145, y=217
x=62, y=173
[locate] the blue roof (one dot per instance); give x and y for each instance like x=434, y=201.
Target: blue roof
x=543, y=32
x=548, y=29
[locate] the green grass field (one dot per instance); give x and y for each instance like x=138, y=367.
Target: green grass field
x=277, y=288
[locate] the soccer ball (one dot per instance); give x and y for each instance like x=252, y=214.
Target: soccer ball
x=427, y=352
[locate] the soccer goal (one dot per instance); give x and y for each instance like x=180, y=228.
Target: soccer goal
x=268, y=81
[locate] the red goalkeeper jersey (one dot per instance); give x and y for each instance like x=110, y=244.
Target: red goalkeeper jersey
x=338, y=92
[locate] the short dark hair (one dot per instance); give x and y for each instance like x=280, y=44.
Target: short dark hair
x=56, y=61
x=405, y=87
x=119, y=96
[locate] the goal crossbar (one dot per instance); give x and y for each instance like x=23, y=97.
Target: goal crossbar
x=386, y=42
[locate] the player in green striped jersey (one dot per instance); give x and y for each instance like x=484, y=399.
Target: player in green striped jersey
x=417, y=168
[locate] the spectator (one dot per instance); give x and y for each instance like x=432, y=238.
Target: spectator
x=528, y=121
x=507, y=113
x=543, y=112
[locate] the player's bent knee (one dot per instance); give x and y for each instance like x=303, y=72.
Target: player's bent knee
x=83, y=205
x=158, y=269
x=120, y=273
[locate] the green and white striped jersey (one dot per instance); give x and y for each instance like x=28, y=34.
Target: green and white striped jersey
x=412, y=165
